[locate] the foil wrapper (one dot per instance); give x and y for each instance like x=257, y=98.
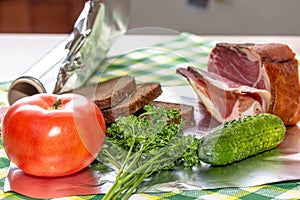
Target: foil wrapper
x=95, y=30
x=279, y=164
x=79, y=55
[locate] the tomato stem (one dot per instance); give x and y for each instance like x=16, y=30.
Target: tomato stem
x=56, y=104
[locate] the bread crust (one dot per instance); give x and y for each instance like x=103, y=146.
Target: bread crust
x=144, y=94
x=108, y=93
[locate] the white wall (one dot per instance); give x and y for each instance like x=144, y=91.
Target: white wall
x=246, y=17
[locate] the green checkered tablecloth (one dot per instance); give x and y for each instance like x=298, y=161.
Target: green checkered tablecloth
x=159, y=63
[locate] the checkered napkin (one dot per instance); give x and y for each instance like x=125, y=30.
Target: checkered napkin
x=159, y=63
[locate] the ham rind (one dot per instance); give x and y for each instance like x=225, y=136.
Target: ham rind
x=225, y=99
x=285, y=90
x=272, y=67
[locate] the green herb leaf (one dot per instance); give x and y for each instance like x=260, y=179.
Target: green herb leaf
x=139, y=146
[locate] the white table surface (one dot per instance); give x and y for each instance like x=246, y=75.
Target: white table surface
x=20, y=51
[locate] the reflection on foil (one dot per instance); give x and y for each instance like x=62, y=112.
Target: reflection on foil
x=87, y=181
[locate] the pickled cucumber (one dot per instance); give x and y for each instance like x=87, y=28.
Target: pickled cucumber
x=240, y=138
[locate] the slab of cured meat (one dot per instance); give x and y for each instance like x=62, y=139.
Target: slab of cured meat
x=243, y=79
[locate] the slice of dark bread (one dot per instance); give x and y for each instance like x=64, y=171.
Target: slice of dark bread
x=108, y=93
x=186, y=112
x=144, y=94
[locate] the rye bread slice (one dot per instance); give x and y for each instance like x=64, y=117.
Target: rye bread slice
x=186, y=112
x=144, y=94
x=108, y=93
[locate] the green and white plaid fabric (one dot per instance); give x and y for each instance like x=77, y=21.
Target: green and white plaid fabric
x=159, y=63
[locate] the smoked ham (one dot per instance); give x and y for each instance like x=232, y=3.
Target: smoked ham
x=224, y=99
x=257, y=68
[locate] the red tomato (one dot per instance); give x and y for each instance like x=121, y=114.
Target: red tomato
x=44, y=140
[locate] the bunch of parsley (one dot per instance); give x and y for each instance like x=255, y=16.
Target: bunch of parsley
x=138, y=146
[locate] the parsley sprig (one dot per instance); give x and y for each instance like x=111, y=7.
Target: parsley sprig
x=139, y=146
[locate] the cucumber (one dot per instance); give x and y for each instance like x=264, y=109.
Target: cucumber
x=241, y=138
